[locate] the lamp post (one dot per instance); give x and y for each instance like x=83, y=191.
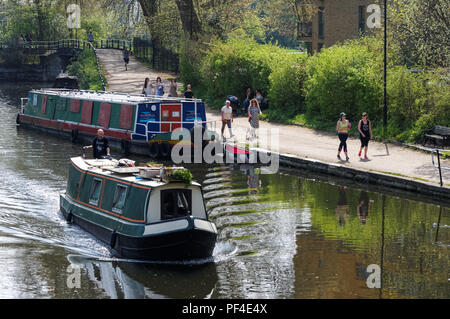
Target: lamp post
x=385, y=69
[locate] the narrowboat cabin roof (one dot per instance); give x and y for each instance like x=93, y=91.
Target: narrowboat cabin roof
x=106, y=167
x=110, y=97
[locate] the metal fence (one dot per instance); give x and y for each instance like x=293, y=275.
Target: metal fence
x=68, y=43
x=159, y=58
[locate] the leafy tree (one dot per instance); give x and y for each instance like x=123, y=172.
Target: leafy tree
x=420, y=29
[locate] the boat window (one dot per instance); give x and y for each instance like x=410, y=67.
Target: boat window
x=176, y=203
x=165, y=115
x=119, y=198
x=95, y=191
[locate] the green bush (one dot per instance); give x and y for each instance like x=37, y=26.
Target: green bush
x=84, y=67
x=191, y=55
x=344, y=78
x=286, y=85
x=416, y=102
x=230, y=67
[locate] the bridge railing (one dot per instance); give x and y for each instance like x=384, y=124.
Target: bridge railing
x=68, y=43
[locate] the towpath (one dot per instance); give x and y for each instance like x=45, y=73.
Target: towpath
x=385, y=158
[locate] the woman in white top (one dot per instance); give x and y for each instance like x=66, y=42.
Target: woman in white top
x=147, y=90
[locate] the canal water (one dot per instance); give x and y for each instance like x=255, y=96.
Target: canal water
x=284, y=235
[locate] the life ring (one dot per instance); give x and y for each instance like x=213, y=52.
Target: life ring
x=165, y=149
x=125, y=147
x=113, y=240
x=18, y=119
x=153, y=150
x=74, y=135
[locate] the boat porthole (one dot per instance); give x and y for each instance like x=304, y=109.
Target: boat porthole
x=154, y=150
x=74, y=135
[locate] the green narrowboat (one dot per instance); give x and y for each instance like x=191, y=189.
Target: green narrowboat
x=146, y=217
x=134, y=124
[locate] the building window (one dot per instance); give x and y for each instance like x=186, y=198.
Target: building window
x=95, y=191
x=361, y=20
x=305, y=29
x=119, y=198
x=321, y=23
x=176, y=203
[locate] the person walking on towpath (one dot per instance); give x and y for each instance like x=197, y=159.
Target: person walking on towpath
x=126, y=58
x=227, y=117
x=343, y=127
x=100, y=145
x=365, y=134
x=253, y=117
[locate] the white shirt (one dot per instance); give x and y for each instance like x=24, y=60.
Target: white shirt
x=148, y=91
x=227, y=111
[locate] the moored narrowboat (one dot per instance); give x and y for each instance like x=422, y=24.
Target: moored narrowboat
x=137, y=211
x=132, y=123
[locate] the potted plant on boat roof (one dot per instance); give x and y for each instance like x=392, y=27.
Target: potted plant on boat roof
x=179, y=175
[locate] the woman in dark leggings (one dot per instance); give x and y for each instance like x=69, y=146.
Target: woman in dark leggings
x=343, y=127
x=365, y=134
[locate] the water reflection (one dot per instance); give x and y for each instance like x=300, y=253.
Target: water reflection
x=363, y=207
x=342, y=208
x=134, y=280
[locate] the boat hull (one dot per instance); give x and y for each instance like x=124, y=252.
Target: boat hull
x=120, y=141
x=185, y=244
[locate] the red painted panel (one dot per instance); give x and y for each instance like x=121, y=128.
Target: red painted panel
x=126, y=117
x=86, y=113
x=170, y=113
x=104, y=115
x=44, y=104
x=75, y=106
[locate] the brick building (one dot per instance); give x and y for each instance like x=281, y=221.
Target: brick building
x=335, y=21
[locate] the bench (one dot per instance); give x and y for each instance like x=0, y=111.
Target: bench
x=438, y=135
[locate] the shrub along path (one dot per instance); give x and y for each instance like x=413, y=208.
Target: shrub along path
x=294, y=140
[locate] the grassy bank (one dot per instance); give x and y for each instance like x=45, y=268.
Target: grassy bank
x=84, y=67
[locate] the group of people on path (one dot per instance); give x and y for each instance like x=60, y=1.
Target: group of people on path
x=365, y=134
x=21, y=39
x=254, y=111
x=250, y=95
x=157, y=89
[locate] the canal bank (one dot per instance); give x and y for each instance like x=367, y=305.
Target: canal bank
x=389, y=165
x=402, y=183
